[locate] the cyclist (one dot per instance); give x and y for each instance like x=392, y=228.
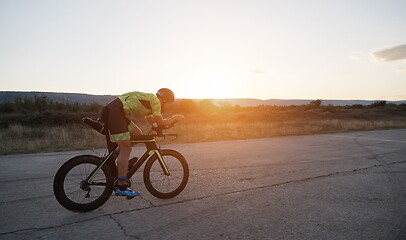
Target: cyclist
x=115, y=117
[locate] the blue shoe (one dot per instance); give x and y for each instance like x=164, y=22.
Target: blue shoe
x=129, y=193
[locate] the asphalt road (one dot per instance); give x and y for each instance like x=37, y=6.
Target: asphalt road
x=334, y=186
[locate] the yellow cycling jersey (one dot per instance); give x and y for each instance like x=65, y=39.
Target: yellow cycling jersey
x=145, y=104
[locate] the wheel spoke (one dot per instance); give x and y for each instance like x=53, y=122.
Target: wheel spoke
x=76, y=188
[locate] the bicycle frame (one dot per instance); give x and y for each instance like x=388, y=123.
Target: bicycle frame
x=152, y=148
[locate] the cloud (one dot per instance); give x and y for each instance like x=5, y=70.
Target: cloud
x=257, y=71
x=391, y=54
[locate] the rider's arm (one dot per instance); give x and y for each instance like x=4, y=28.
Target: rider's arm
x=156, y=116
x=164, y=122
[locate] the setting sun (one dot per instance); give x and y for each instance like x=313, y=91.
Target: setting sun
x=210, y=84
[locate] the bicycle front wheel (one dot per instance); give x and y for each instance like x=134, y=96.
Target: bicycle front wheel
x=166, y=186
x=72, y=189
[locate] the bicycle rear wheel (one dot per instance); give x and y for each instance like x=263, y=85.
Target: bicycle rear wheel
x=166, y=186
x=72, y=190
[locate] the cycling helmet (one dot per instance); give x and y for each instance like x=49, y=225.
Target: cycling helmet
x=166, y=94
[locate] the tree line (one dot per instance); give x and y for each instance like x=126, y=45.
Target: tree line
x=43, y=104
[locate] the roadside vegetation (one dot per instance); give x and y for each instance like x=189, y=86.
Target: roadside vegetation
x=40, y=125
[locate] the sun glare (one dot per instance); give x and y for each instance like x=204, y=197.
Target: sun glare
x=212, y=84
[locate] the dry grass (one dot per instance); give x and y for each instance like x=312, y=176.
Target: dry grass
x=24, y=139
x=243, y=130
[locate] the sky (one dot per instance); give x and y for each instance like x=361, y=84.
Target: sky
x=264, y=49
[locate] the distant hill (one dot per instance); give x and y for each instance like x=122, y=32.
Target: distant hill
x=69, y=98
x=87, y=99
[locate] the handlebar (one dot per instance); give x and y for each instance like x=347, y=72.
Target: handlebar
x=159, y=131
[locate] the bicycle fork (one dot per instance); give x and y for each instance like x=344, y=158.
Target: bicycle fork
x=161, y=161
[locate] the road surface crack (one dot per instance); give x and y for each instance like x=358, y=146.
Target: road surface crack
x=122, y=228
x=398, y=207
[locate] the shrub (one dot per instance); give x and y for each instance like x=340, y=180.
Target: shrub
x=315, y=103
x=378, y=104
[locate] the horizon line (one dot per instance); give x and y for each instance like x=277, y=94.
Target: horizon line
x=232, y=98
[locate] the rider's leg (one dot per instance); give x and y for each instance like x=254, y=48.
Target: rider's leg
x=125, y=151
x=122, y=168
x=123, y=158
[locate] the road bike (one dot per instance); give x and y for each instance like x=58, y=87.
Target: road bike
x=86, y=182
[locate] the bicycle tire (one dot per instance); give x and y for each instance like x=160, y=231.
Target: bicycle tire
x=160, y=185
x=74, y=172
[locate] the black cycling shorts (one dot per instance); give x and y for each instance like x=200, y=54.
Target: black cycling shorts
x=116, y=122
